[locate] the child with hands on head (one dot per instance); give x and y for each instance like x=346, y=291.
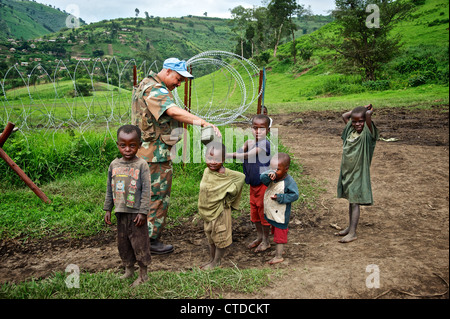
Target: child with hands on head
x=359, y=139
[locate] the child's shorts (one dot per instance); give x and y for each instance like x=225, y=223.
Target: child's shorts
x=257, y=204
x=279, y=235
x=219, y=230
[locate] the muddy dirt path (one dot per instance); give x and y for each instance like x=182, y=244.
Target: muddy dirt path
x=403, y=238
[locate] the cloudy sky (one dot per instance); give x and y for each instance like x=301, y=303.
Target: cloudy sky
x=97, y=10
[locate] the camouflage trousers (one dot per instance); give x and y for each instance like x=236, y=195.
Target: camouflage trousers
x=161, y=184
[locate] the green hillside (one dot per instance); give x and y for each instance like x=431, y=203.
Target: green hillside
x=150, y=39
x=420, y=71
x=422, y=65
x=155, y=38
x=23, y=19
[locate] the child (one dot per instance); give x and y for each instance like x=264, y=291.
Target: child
x=256, y=157
x=359, y=138
x=128, y=190
x=220, y=190
x=281, y=192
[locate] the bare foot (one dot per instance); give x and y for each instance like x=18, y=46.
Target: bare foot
x=348, y=238
x=206, y=264
x=254, y=243
x=342, y=232
x=129, y=272
x=275, y=260
x=209, y=266
x=274, y=253
x=139, y=280
x=262, y=247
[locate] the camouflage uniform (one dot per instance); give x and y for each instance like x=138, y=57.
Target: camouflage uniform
x=160, y=132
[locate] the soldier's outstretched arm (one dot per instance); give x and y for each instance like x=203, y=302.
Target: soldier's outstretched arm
x=184, y=116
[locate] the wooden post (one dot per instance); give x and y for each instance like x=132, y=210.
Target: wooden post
x=6, y=132
x=261, y=75
x=186, y=99
x=134, y=76
x=190, y=91
x=187, y=107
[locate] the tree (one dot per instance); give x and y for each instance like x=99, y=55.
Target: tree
x=249, y=35
x=136, y=11
x=98, y=53
x=240, y=19
x=364, y=32
x=260, y=17
x=281, y=13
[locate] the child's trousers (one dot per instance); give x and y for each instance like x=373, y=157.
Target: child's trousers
x=132, y=242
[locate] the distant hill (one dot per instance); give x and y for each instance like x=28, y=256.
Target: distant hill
x=23, y=19
x=151, y=38
x=155, y=38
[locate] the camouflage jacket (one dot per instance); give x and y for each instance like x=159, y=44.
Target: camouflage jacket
x=160, y=132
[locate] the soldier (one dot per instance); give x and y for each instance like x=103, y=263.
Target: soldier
x=156, y=114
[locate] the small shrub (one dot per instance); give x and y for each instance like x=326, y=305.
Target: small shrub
x=420, y=78
x=379, y=85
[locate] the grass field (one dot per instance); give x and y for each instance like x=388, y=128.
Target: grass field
x=195, y=284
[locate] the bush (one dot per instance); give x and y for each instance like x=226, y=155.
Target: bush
x=262, y=58
x=414, y=63
x=45, y=159
x=418, y=2
x=305, y=52
x=420, y=78
x=379, y=85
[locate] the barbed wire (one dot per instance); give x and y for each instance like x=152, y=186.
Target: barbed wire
x=97, y=93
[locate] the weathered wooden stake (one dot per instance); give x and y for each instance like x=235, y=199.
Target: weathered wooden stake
x=261, y=75
x=134, y=76
x=3, y=137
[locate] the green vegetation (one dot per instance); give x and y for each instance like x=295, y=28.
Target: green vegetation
x=418, y=75
x=195, y=284
x=150, y=38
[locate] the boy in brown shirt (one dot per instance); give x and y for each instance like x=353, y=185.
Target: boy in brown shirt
x=128, y=190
